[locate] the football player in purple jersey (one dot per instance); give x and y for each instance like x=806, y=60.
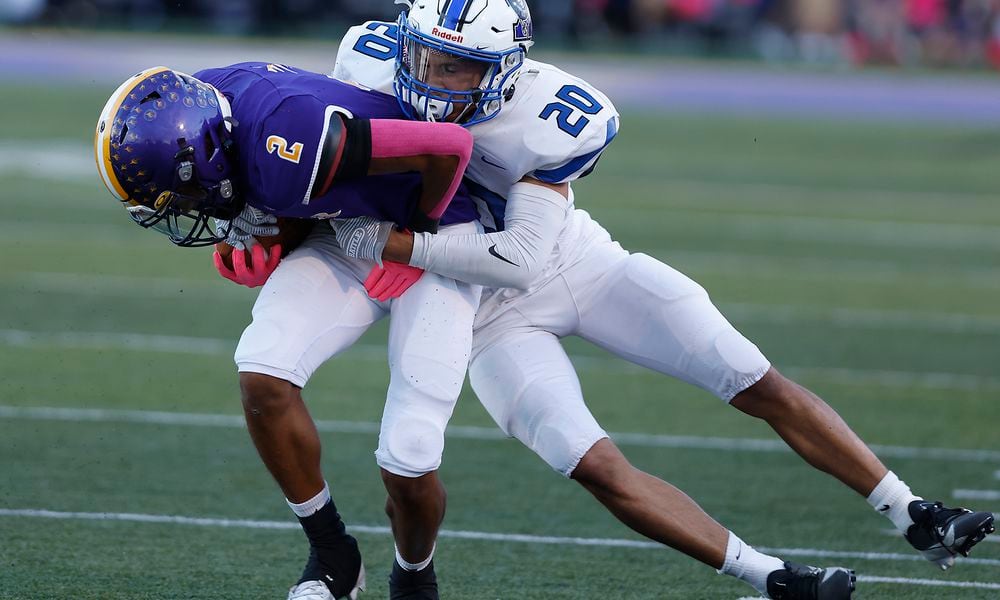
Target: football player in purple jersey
x=217, y=157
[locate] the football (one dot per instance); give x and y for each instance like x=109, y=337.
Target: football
x=291, y=233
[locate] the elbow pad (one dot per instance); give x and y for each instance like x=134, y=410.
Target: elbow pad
x=514, y=257
x=347, y=152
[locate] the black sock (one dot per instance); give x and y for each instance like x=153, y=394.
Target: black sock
x=324, y=526
x=333, y=553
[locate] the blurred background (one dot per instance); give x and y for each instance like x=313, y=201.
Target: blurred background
x=937, y=33
x=827, y=169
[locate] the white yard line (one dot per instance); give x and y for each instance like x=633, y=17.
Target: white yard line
x=823, y=270
x=74, y=415
x=127, y=285
x=217, y=346
x=895, y=379
x=52, y=161
x=873, y=556
x=878, y=233
x=465, y=535
x=855, y=318
x=864, y=318
x=117, y=341
x=741, y=194
x=976, y=494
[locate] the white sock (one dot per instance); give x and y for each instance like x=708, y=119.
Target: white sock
x=420, y=566
x=746, y=564
x=312, y=505
x=891, y=497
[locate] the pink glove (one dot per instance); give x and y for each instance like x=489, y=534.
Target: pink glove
x=391, y=280
x=263, y=263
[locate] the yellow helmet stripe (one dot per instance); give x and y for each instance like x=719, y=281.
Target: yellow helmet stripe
x=102, y=137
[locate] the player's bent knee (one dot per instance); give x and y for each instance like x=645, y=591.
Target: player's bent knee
x=603, y=469
x=410, y=447
x=264, y=395
x=561, y=438
x=773, y=394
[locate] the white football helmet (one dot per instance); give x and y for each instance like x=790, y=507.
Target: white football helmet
x=490, y=37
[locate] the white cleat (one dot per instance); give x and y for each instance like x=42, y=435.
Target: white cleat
x=310, y=590
x=317, y=590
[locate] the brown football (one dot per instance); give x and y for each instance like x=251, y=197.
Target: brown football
x=291, y=233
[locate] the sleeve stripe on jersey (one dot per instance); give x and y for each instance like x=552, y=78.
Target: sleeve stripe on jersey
x=579, y=163
x=319, y=153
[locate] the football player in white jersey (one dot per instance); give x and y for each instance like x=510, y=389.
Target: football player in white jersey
x=552, y=272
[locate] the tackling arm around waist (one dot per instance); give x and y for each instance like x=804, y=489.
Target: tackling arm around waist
x=535, y=215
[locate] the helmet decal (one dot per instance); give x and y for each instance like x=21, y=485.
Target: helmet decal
x=523, y=30
x=455, y=14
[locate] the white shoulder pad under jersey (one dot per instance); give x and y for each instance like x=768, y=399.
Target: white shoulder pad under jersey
x=367, y=56
x=553, y=129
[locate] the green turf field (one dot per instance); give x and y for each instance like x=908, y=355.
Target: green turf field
x=863, y=259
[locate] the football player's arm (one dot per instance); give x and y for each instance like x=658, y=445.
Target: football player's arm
x=438, y=151
x=536, y=212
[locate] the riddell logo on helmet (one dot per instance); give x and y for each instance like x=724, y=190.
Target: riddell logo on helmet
x=448, y=35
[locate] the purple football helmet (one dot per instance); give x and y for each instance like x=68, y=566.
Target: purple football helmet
x=163, y=147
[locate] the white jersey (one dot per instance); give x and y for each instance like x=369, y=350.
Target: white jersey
x=553, y=129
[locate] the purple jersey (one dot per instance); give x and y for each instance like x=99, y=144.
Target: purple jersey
x=281, y=116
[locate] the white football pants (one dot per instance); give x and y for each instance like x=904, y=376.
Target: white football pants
x=629, y=304
x=314, y=306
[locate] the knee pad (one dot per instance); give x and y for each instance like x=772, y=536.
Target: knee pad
x=551, y=418
x=411, y=446
x=560, y=438
x=422, y=395
x=528, y=385
x=746, y=363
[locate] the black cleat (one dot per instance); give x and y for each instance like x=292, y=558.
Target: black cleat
x=940, y=533
x=413, y=585
x=801, y=582
x=338, y=569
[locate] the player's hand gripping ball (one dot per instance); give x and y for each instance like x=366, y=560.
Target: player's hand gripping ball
x=252, y=267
